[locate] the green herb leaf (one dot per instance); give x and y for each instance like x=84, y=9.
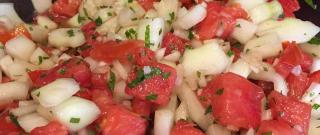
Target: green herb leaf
x=130, y=1
x=130, y=58
x=147, y=37
x=230, y=53
x=315, y=106
x=265, y=69
x=110, y=14
x=166, y=75
x=91, y=132
x=219, y=91
x=70, y=33
x=74, y=120
x=139, y=78
x=38, y=94
x=198, y=74
x=267, y=133
x=41, y=58
x=131, y=34
x=160, y=32
x=172, y=16
x=98, y=21
x=1, y=47
x=152, y=96
x=238, y=25
x=62, y=71
x=190, y=35
x=112, y=81
x=134, y=19
x=81, y=19
x=208, y=110
x=14, y=119
x=315, y=41
x=189, y=47
x=311, y=4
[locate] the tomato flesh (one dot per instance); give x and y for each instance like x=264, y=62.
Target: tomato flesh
x=146, y=4
x=172, y=42
x=157, y=86
x=53, y=128
x=276, y=128
x=7, y=127
x=290, y=110
x=289, y=7
x=298, y=85
x=235, y=101
x=67, y=8
x=19, y=30
x=185, y=128
x=141, y=107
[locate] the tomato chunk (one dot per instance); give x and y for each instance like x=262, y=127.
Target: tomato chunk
x=172, y=42
x=99, y=80
x=120, y=121
x=275, y=127
x=53, y=128
x=141, y=107
x=147, y=4
x=292, y=57
x=290, y=110
x=235, y=101
x=185, y=128
x=7, y=127
x=19, y=30
x=73, y=68
x=289, y=7
x=298, y=85
x=130, y=50
x=67, y=8
x=154, y=85
x=315, y=77
x=220, y=20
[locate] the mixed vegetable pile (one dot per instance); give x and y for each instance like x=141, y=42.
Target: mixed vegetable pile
x=161, y=67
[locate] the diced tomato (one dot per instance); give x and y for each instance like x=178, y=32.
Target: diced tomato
x=73, y=68
x=185, y=128
x=84, y=93
x=19, y=30
x=220, y=20
x=120, y=121
x=99, y=80
x=291, y=57
x=237, y=52
x=147, y=4
x=7, y=127
x=315, y=77
x=130, y=50
x=53, y=128
x=102, y=98
x=155, y=88
x=298, y=85
x=187, y=3
x=235, y=101
x=290, y=110
x=67, y=8
x=274, y=127
x=141, y=107
x=172, y=42
x=267, y=87
x=289, y=7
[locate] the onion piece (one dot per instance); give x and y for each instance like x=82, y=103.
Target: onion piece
x=31, y=121
x=41, y=5
x=216, y=129
x=23, y=110
x=56, y=92
x=6, y=21
x=311, y=93
x=248, y=4
x=181, y=112
x=120, y=69
x=20, y=47
x=13, y=91
x=196, y=110
x=163, y=122
x=315, y=65
x=193, y=17
x=173, y=57
x=26, y=103
x=76, y=113
x=240, y=67
x=46, y=22
x=150, y=30
x=119, y=92
x=66, y=37
x=8, y=10
x=244, y=31
x=45, y=112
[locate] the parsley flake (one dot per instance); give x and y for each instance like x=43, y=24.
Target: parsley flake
x=147, y=37
x=14, y=119
x=152, y=96
x=112, y=81
x=41, y=58
x=267, y=133
x=315, y=106
x=166, y=75
x=74, y=120
x=131, y=34
x=208, y=110
x=219, y=91
x=70, y=33
x=314, y=41
x=230, y=53
x=311, y=4
x=98, y=21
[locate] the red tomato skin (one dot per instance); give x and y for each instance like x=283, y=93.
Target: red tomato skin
x=290, y=110
x=277, y=128
x=141, y=107
x=226, y=92
x=154, y=85
x=185, y=128
x=66, y=8
x=120, y=121
x=53, y=128
x=99, y=80
x=7, y=127
x=18, y=30
x=75, y=68
x=291, y=57
x=84, y=93
x=102, y=98
x=219, y=17
x=298, y=85
x=146, y=4
x=172, y=42
x=289, y=7
x=315, y=77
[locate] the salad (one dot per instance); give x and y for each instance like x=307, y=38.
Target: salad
x=159, y=67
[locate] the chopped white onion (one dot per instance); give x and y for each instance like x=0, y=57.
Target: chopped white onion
x=13, y=91
x=41, y=5
x=7, y=9
x=181, y=112
x=266, y=115
x=76, y=113
x=31, y=121
x=216, y=129
x=119, y=92
x=195, y=108
x=45, y=112
x=312, y=92
x=6, y=21
x=240, y=67
x=66, y=37
x=193, y=17
x=41, y=58
x=163, y=122
x=56, y=92
x=315, y=65
x=20, y=111
x=265, y=11
x=173, y=57
x=46, y=22
x=314, y=126
x=26, y=103
x=248, y=4
x=20, y=47
x=244, y=30
x=152, y=31
x=160, y=53
x=120, y=69
x=38, y=34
